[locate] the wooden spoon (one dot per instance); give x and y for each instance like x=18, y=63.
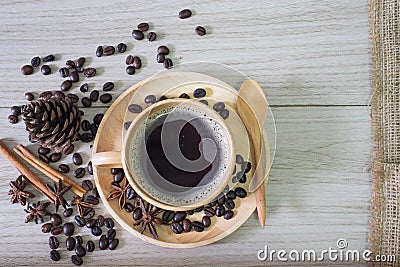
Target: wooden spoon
x=253, y=108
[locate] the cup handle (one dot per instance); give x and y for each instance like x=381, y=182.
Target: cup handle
x=110, y=159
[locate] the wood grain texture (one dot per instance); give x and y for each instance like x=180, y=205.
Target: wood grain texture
x=304, y=52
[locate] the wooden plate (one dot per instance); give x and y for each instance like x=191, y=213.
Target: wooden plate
x=109, y=138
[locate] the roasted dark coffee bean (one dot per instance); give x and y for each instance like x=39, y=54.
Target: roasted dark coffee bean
x=189, y=212
x=121, y=47
x=130, y=70
x=135, y=108
x=91, y=223
x=90, y=246
x=79, y=70
x=92, y=200
x=87, y=185
x=80, y=221
x=73, y=97
x=43, y=150
x=162, y=49
x=85, y=125
x=74, y=76
x=184, y=95
x=129, y=60
x=198, y=209
x=179, y=216
x=59, y=95
x=239, y=159
x=55, y=157
x=63, y=168
x=246, y=166
x=199, y=93
x=176, y=228
x=186, y=225
x=228, y=215
x=163, y=97
x=77, y=159
x=220, y=211
x=137, y=34
x=12, y=119
x=66, y=85
x=168, y=216
x=137, y=62
x=206, y=221
x=15, y=110
x=45, y=70
x=229, y=204
x=231, y=194
x=90, y=167
x=111, y=233
x=55, y=255
x=151, y=36
x=103, y=242
x=27, y=70
x=219, y=106
x=168, y=63
x=226, y=189
x=240, y=192
x=49, y=58
x=56, y=230
x=69, y=149
x=95, y=192
x=105, y=98
x=68, y=212
x=200, y=30
x=80, y=62
x=35, y=62
x=55, y=219
x=79, y=240
x=76, y=260
x=137, y=214
x=209, y=211
x=29, y=96
x=224, y=114
x=70, y=243
x=93, y=129
x=79, y=173
x=64, y=72
x=100, y=221
x=243, y=178
x=150, y=99
x=96, y=231
x=108, y=50
x=80, y=251
x=205, y=102
x=46, y=94
x=114, y=170
x=143, y=26
x=128, y=207
x=197, y=226
x=46, y=228
x=130, y=193
x=70, y=64
x=119, y=177
x=113, y=244
x=94, y=95
x=86, y=102
x=99, y=51
x=221, y=200
x=98, y=118
x=108, y=86
x=84, y=88
x=43, y=158
x=213, y=203
x=185, y=13
x=160, y=58
x=89, y=72
x=109, y=223
x=87, y=137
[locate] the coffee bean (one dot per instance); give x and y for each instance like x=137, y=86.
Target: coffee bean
x=213, y=203
x=59, y=95
x=150, y=99
x=121, y=47
x=89, y=72
x=151, y=36
x=87, y=137
x=92, y=200
x=55, y=157
x=84, y=88
x=199, y=93
x=45, y=70
x=228, y=215
x=108, y=50
x=43, y=150
x=197, y=226
x=137, y=62
x=70, y=243
x=163, y=97
x=76, y=260
x=179, y=216
x=129, y=60
x=79, y=240
x=90, y=167
x=90, y=246
x=68, y=212
x=162, y=49
x=55, y=219
x=44, y=158
x=96, y=231
x=219, y=106
x=246, y=166
x=130, y=70
x=55, y=255
x=80, y=221
x=95, y=192
x=98, y=118
x=239, y=159
x=160, y=58
x=200, y=30
x=100, y=221
x=70, y=64
x=29, y=96
x=206, y=221
x=113, y=244
x=85, y=125
x=221, y=200
x=69, y=149
x=103, y=242
x=176, y=228
x=189, y=212
x=49, y=58
x=66, y=85
x=74, y=76
x=63, y=168
x=56, y=230
x=119, y=177
x=229, y=204
x=240, y=192
x=168, y=216
x=144, y=26
x=130, y=193
x=137, y=214
x=111, y=233
x=168, y=63
x=87, y=185
x=35, y=62
x=108, y=86
x=220, y=211
x=79, y=173
x=12, y=119
x=185, y=13
x=186, y=225
x=128, y=207
x=105, y=98
x=94, y=95
x=80, y=251
x=99, y=51
x=91, y=223
x=137, y=34
x=209, y=211
x=15, y=110
x=27, y=70
x=64, y=72
x=86, y=102
x=134, y=108
x=224, y=114
x=231, y=194
x=46, y=228
x=80, y=62
x=73, y=97
x=243, y=179
x=89, y=213
x=77, y=159
x=109, y=223
x=46, y=94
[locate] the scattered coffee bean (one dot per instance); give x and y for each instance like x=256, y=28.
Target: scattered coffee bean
x=108, y=50
x=29, y=96
x=144, y=26
x=27, y=70
x=200, y=30
x=119, y=177
x=121, y=47
x=219, y=106
x=199, y=93
x=134, y=108
x=95, y=192
x=176, y=227
x=46, y=94
x=108, y=86
x=221, y=200
x=128, y=207
x=105, y=98
x=109, y=223
x=79, y=240
x=243, y=179
x=92, y=200
x=80, y=221
x=79, y=70
x=76, y=260
x=168, y=216
x=228, y=215
x=229, y=204
x=246, y=166
x=220, y=211
x=46, y=228
x=15, y=110
x=185, y=13
x=35, y=62
x=90, y=246
x=103, y=242
x=151, y=36
x=44, y=158
x=197, y=226
x=130, y=70
x=224, y=114
x=85, y=125
x=94, y=95
x=86, y=102
x=179, y=216
x=80, y=251
x=90, y=167
x=100, y=221
x=150, y=99
x=64, y=72
x=63, y=168
x=98, y=118
x=87, y=185
x=213, y=203
x=186, y=225
x=80, y=62
x=84, y=88
x=113, y=244
x=55, y=219
x=184, y=95
x=55, y=255
x=56, y=230
x=74, y=76
x=45, y=70
x=160, y=58
x=130, y=193
x=66, y=85
x=69, y=149
x=70, y=243
x=79, y=173
x=96, y=231
x=137, y=34
x=239, y=159
x=206, y=221
x=209, y=211
x=240, y=192
x=89, y=72
x=162, y=49
x=163, y=97
x=43, y=150
x=111, y=233
x=55, y=157
x=87, y=137
x=91, y=223
x=49, y=58
x=190, y=212
x=73, y=97
x=77, y=159
x=68, y=212
x=70, y=64
x=137, y=214
x=137, y=62
x=99, y=51
x=231, y=194
x=12, y=119
x=168, y=63
x=59, y=94
x=129, y=60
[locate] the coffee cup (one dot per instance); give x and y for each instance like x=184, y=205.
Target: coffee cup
x=177, y=154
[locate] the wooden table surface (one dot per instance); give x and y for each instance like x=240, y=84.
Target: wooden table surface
x=311, y=56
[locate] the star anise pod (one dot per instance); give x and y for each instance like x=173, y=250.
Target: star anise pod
x=58, y=191
x=37, y=211
x=17, y=191
x=80, y=204
x=148, y=218
x=120, y=193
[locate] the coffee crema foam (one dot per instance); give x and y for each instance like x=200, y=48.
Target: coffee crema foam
x=159, y=188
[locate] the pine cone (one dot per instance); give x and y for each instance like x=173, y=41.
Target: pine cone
x=52, y=122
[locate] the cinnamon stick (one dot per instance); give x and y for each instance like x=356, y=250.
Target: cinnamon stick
x=47, y=170
x=25, y=171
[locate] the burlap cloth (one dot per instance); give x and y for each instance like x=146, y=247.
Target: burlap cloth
x=384, y=237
